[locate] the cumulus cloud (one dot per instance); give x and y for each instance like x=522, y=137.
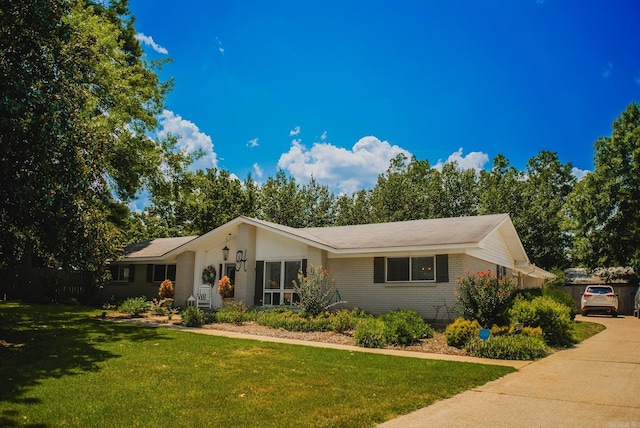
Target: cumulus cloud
x=474, y=160
x=579, y=173
x=148, y=40
x=323, y=137
x=294, y=131
x=348, y=170
x=191, y=139
x=257, y=170
x=252, y=143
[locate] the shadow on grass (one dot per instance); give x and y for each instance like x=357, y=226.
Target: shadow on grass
x=39, y=342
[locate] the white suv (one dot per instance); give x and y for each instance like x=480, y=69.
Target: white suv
x=599, y=299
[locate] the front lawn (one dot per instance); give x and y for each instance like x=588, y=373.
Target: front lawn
x=63, y=366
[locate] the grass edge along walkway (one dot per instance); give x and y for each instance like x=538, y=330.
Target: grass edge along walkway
x=61, y=366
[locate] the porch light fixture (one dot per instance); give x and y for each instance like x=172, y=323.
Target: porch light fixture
x=225, y=250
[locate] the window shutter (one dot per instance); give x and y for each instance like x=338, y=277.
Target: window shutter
x=442, y=268
x=220, y=273
x=257, y=297
x=378, y=270
x=132, y=271
x=304, y=267
x=149, y=273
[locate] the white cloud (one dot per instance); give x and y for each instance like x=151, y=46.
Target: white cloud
x=258, y=171
x=579, y=173
x=339, y=168
x=607, y=71
x=219, y=44
x=191, y=139
x=323, y=137
x=294, y=131
x=253, y=143
x=148, y=40
x=474, y=160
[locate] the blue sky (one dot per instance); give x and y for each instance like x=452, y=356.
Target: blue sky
x=335, y=89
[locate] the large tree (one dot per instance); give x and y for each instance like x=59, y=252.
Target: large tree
x=603, y=211
x=77, y=101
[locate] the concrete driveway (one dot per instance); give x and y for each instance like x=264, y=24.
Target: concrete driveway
x=594, y=384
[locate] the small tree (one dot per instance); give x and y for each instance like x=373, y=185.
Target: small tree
x=315, y=290
x=485, y=298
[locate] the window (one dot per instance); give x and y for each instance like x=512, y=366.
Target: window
x=410, y=269
x=501, y=272
x=230, y=271
x=162, y=272
x=278, y=282
x=119, y=273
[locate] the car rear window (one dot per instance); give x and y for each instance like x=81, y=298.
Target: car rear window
x=599, y=290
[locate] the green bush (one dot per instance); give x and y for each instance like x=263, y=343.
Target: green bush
x=405, y=327
x=544, y=312
x=461, y=331
x=134, y=306
x=294, y=321
x=344, y=320
x=564, y=298
x=192, y=317
x=510, y=347
x=370, y=333
x=236, y=313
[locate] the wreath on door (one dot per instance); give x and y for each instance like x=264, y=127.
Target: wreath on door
x=209, y=275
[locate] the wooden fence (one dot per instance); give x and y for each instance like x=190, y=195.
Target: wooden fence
x=41, y=284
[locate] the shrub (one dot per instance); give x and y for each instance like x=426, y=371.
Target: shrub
x=510, y=347
x=192, y=317
x=236, y=313
x=344, y=320
x=166, y=290
x=134, y=306
x=484, y=297
x=294, y=321
x=405, y=327
x=315, y=290
x=513, y=330
x=461, y=331
x=551, y=316
x=370, y=333
x=563, y=298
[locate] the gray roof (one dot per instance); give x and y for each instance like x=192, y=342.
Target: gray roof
x=155, y=247
x=440, y=232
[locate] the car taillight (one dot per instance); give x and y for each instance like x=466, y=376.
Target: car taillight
x=611, y=295
x=587, y=294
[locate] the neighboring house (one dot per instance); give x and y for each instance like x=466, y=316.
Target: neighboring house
x=377, y=267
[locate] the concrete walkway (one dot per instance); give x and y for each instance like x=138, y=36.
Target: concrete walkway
x=594, y=384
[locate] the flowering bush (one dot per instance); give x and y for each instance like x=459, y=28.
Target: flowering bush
x=225, y=288
x=166, y=289
x=484, y=297
x=315, y=291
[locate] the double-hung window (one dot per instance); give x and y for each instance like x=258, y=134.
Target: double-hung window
x=162, y=272
x=278, y=282
x=411, y=269
x=119, y=273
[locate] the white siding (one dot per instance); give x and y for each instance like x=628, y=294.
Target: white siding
x=271, y=246
x=495, y=251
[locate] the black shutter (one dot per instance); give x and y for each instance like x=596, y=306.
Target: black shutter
x=257, y=297
x=220, y=271
x=378, y=270
x=442, y=268
x=132, y=271
x=149, y=273
x=304, y=267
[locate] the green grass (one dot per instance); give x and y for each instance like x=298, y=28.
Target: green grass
x=63, y=366
x=583, y=330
